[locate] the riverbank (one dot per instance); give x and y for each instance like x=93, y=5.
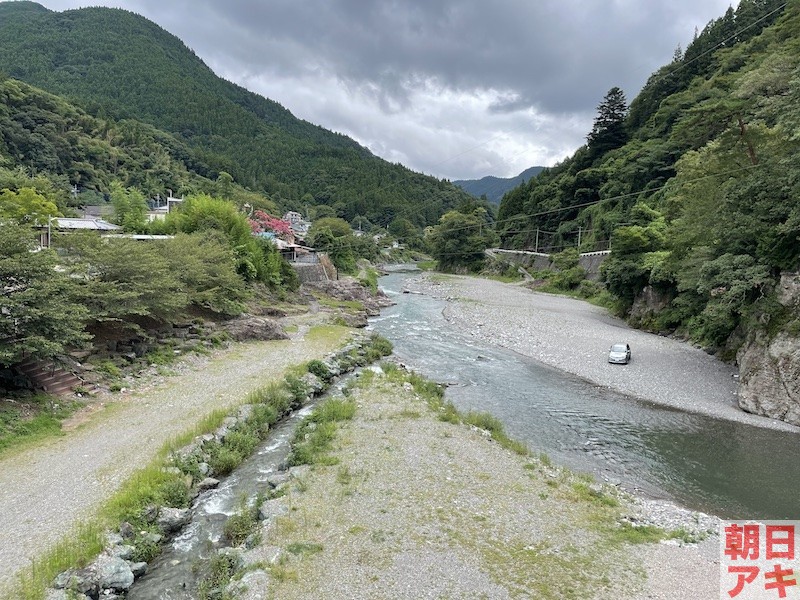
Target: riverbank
x=50, y=488
x=416, y=506
x=574, y=336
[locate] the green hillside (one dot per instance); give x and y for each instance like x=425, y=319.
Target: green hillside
x=495, y=187
x=117, y=64
x=695, y=185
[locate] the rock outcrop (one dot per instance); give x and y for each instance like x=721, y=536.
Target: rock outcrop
x=250, y=327
x=351, y=290
x=769, y=366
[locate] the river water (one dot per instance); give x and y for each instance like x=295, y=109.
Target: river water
x=172, y=574
x=721, y=467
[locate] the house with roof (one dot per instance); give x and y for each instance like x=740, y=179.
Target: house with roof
x=70, y=224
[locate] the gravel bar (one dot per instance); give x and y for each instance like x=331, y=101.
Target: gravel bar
x=575, y=336
x=45, y=491
x=420, y=508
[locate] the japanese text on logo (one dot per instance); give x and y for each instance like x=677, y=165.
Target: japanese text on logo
x=759, y=560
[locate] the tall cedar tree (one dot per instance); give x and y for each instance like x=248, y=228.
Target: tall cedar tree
x=608, y=132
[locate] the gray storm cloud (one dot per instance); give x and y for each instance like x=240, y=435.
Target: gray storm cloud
x=427, y=79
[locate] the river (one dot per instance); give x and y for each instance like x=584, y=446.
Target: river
x=721, y=467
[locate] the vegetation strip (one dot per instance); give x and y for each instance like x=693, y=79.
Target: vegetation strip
x=170, y=481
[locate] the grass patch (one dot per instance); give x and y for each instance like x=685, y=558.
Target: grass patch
x=328, y=334
x=36, y=418
x=588, y=493
x=238, y=527
x=216, y=574
x=314, y=436
x=344, y=476
x=304, y=548
x=625, y=533
x=407, y=413
x=369, y=279
x=492, y=424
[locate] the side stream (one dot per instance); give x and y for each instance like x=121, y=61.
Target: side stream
x=196, y=536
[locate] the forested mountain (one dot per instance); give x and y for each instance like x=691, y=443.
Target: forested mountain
x=118, y=65
x=695, y=185
x=43, y=134
x=495, y=187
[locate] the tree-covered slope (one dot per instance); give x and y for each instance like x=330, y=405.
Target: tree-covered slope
x=696, y=187
x=116, y=63
x=495, y=187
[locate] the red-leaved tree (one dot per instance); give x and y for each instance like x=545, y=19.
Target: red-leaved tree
x=261, y=222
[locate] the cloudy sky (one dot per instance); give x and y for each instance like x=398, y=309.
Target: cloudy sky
x=458, y=89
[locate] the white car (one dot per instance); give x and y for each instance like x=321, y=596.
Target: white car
x=620, y=354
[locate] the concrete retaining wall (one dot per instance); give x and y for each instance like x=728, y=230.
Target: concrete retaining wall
x=538, y=261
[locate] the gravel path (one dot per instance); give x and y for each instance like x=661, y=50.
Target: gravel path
x=419, y=508
x=46, y=491
x=575, y=336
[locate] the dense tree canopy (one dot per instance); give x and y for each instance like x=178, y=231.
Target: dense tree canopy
x=40, y=309
x=696, y=189
x=202, y=134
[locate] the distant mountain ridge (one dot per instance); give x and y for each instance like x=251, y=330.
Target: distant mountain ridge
x=494, y=188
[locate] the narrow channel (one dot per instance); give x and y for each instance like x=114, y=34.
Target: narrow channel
x=725, y=468
x=172, y=576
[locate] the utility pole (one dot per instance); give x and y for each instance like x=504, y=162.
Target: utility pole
x=536, y=246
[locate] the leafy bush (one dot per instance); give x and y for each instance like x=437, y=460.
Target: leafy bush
x=241, y=441
x=240, y=526
x=320, y=369
x=174, y=493
x=223, y=460
x=298, y=389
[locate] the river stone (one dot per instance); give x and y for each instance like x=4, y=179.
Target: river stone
x=261, y=555
x=272, y=509
x=312, y=382
x=83, y=581
x=170, y=520
x=123, y=551
x=153, y=538
x=138, y=569
x=114, y=574
x=278, y=479
x=227, y=424
x=299, y=471
x=245, y=412
x=253, y=586
x=249, y=327
x=126, y=531
x=64, y=595
x=209, y=483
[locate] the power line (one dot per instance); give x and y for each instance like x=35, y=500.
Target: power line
x=733, y=36
x=618, y=197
